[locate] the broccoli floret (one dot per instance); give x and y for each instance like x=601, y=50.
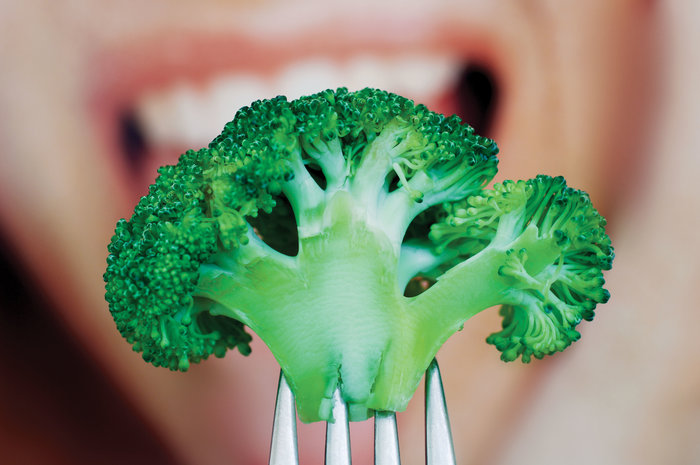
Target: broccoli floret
x=305, y=221
x=555, y=252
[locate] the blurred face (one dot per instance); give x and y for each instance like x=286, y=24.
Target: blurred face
x=95, y=95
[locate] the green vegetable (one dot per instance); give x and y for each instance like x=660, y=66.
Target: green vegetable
x=307, y=222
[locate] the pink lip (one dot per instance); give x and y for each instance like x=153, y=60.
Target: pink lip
x=120, y=75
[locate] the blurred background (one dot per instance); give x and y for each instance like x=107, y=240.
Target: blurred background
x=95, y=95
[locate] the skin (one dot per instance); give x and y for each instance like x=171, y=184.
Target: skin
x=576, y=86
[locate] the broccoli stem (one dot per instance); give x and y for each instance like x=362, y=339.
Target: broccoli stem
x=458, y=299
x=345, y=287
x=304, y=194
x=329, y=157
x=420, y=257
x=453, y=290
x=341, y=295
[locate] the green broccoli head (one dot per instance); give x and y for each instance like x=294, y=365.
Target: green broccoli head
x=305, y=221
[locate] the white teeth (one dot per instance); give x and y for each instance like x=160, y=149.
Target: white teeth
x=368, y=71
x=307, y=77
x=228, y=93
x=149, y=111
x=424, y=80
x=179, y=116
x=189, y=116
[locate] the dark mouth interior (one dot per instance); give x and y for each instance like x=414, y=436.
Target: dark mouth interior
x=476, y=96
x=132, y=140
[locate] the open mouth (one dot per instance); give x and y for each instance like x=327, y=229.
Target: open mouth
x=153, y=103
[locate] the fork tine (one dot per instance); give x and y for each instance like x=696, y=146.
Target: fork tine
x=439, y=449
x=386, y=439
x=338, y=433
x=283, y=447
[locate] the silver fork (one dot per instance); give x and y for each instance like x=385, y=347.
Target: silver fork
x=439, y=449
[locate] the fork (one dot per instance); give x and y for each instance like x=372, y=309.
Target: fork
x=439, y=449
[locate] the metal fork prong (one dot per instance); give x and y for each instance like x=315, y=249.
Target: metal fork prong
x=283, y=447
x=439, y=449
x=338, y=433
x=386, y=439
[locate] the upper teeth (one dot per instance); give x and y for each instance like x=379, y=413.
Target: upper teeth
x=191, y=116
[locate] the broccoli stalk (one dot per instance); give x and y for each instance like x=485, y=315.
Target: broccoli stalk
x=380, y=191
